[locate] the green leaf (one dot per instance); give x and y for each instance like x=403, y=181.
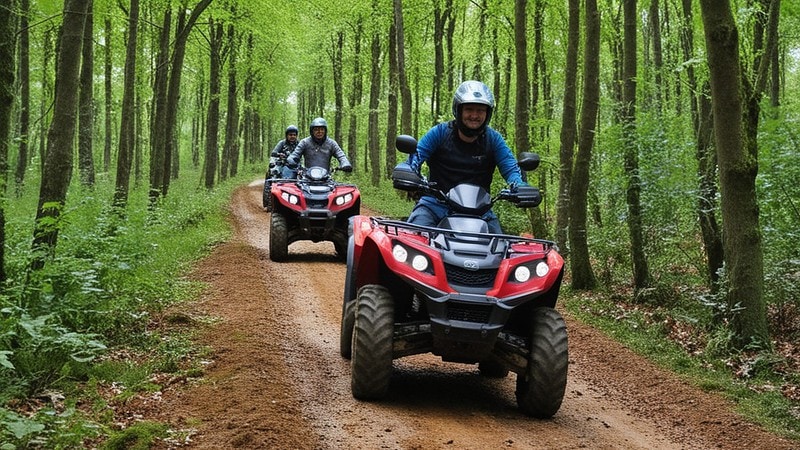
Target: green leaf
x=18, y=425
x=4, y=361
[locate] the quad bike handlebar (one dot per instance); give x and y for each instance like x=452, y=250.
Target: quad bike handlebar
x=405, y=178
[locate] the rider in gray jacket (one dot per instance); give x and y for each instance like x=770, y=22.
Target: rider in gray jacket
x=318, y=149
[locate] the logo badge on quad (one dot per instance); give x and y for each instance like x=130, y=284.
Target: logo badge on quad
x=471, y=264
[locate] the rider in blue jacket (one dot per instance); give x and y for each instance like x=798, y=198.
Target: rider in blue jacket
x=464, y=150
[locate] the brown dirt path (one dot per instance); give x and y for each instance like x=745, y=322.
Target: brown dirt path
x=275, y=379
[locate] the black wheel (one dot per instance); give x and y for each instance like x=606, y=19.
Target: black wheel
x=371, y=363
x=278, y=238
x=540, y=390
x=340, y=245
x=346, y=334
x=265, y=197
x=492, y=369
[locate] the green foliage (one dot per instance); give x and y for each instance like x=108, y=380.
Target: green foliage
x=139, y=436
x=385, y=199
x=111, y=277
x=48, y=428
x=18, y=427
x=689, y=340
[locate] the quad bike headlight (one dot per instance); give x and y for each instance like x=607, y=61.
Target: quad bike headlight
x=542, y=269
x=526, y=271
x=400, y=254
x=344, y=199
x=418, y=261
x=522, y=274
x=291, y=198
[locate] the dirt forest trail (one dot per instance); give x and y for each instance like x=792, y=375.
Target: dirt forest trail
x=274, y=378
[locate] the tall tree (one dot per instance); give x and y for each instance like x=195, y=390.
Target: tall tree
x=374, y=154
x=483, y=11
x=355, y=93
x=86, y=104
x=45, y=111
x=108, y=96
x=522, y=105
x=159, y=107
x=580, y=263
x=24, y=93
x=700, y=108
x=439, y=18
x=7, y=25
x=658, y=54
x=182, y=31
x=337, y=47
x=521, y=111
x=641, y=273
x=391, y=102
x=405, y=90
x=568, y=125
x=57, y=170
x=450, y=28
x=248, y=115
x=127, y=135
x=738, y=166
x=212, y=127
x=230, y=151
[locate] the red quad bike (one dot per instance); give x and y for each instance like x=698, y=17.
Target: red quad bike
x=456, y=291
x=313, y=207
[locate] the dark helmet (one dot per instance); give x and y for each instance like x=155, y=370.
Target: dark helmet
x=472, y=92
x=318, y=122
x=291, y=129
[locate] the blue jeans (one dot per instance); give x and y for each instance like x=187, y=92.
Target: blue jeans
x=288, y=173
x=429, y=212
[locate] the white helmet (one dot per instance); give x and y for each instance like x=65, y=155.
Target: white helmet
x=473, y=92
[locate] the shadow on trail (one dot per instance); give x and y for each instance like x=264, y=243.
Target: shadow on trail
x=453, y=387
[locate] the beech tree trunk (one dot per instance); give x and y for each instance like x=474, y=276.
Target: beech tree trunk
x=86, y=108
x=702, y=118
x=374, y=153
x=159, y=111
x=212, y=127
x=184, y=27
x=391, y=104
x=108, y=99
x=580, y=263
x=57, y=170
x=338, y=96
x=641, y=273
x=24, y=94
x=738, y=166
x=355, y=95
x=568, y=127
x=7, y=29
x=126, y=134
x=405, y=91
x=230, y=153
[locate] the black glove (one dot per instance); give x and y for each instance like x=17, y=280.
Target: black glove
x=405, y=178
x=347, y=168
x=526, y=196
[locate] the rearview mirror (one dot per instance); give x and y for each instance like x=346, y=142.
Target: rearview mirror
x=528, y=161
x=405, y=144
